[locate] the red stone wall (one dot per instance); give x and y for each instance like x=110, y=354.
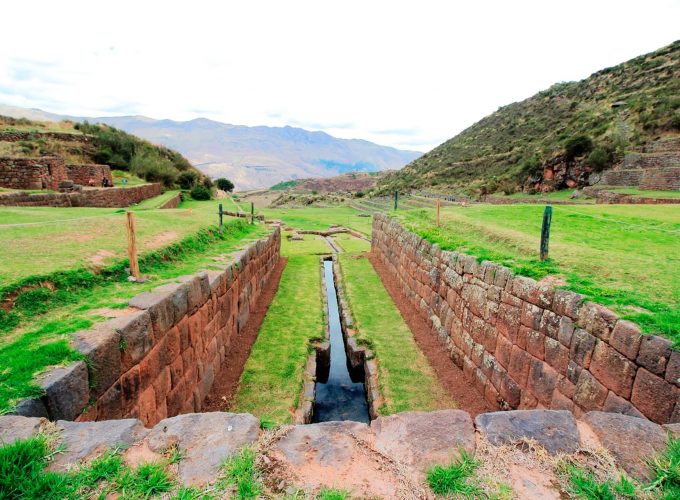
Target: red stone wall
x=160, y=359
x=524, y=344
x=172, y=202
x=32, y=173
x=116, y=197
x=81, y=173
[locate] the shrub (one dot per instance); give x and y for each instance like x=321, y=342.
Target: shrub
x=207, y=183
x=225, y=184
x=577, y=146
x=528, y=167
x=187, y=180
x=200, y=193
x=600, y=158
x=149, y=165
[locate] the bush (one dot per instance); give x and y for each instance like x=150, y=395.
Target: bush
x=187, y=180
x=225, y=184
x=200, y=193
x=577, y=146
x=149, y=165
x=207, y=183
x=528, y=167
x=600, y=158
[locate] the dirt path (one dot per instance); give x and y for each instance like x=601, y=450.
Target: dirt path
x=226, y=382
x=450, y=376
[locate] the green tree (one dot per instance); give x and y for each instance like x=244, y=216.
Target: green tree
x=225, y=184
x=187, y=180
x=200, y=193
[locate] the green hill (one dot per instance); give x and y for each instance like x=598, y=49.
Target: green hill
x=586, y=125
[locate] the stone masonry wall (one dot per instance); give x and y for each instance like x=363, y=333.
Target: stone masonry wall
x=159, y=360
x=115, y=197
x=32, y=173
x=81, y=173
x=524, y=344
x=172, y=202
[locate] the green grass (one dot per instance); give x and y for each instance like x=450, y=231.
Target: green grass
x=332, y=494
x=351, y=244
x=456, y=479
x=321, y=218
x=563, y=195
x=36, y=333
x=622, y=256
x=156, y=201
x=240, y=473
x=132, y=179
x=406, y=379
x=272, y=377
x=645, y=193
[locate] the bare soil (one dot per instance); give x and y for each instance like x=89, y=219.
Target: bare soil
x=449, y=375
x=226, y=382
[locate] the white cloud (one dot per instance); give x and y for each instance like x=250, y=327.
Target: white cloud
x=407, y=74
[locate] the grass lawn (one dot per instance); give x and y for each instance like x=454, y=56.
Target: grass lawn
x=645, y=193
x=321, y=218
x=41, y=240
x=406, y=379
x=156, y=201
x=623, y=256
x=132, y=179
x=39, y=334
x=563, y=195
x=272, y=377
x=349, y=243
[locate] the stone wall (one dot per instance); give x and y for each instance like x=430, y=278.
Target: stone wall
x=81, y=173
x=524, y=344
x=17, y=135
x=161, y=358
x=172, y=202
x=661, y=178
x=115, y=197
x=32, y=173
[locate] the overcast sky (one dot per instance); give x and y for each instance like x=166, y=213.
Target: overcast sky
x=405, y=74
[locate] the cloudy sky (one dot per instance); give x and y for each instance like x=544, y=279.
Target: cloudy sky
x=406, y=74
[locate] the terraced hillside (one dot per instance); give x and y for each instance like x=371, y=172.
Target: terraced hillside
x=573, y=128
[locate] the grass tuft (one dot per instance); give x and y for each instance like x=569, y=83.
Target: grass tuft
x=456, y=478
x=240, y=472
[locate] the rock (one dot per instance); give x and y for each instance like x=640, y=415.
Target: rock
x=654, y=397
x=654, y=353
x=30, y=408
x=422, y=439
x=674, y=429
x=102, y=347
x=205, y=440
x=554, y=430
x=15, y=427
x=66, y=390
x=87, y=440
x=630, y=440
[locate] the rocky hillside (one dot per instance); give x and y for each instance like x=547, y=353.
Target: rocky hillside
x=570, y=130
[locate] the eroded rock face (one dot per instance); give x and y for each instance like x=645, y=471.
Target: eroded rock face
x=205, y=440
x=422, y=439
x=630, y=440
x=556, y=431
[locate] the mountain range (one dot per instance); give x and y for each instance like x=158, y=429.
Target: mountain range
x=252, y=157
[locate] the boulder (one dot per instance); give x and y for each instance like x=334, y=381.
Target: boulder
x=421, y=439
x=205, y=440
x=66, y=390
x=630, y=440
x=15, y=427
x=555, y=430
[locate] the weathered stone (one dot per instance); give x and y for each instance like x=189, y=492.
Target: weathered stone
x=597, y=319
x=531, y=291
x=550, y=324
x=66, y=390
x=654, y=353
x=673, y=429
x=136, y=336
x=673, y=369
x=590, y=394
x=531, y=316
x=612, y=369
x=616, y=404
x=160, y=307
x=205, y=440
x=180, y=301
x=510, y=392
x=626, y=338
x=582, y=345
x=556, y=355
x=87, y=440
x=567, y=303
x=542, y=381
x=101, y=345
x=15, y=427
x=556, y=431
x=630, y=440
x=508, y=321
x=653, y=396
x=422, y=439
x=566, y=331
x=519, y=365
x=30, y=408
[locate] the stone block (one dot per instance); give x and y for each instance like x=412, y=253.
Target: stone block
x=616, y=404
x=66, y=389
x=519, y=366
x=556, y=355
x=110, y=404
x=590, y=394
x=536, y=344
x=542, y=381
x=423, y=439
x=567, y=303
x=508, y=321
x=565, y=331
x=531, y=316
x=654, y=353
x=550, y=324
x=160, y=307
x=626, y=339
x=30, y=408
x=101, y=345
x=613, y=369
x=582, y=346
x=136, y=336
x=531, y=291
x=561, y=402
x=17, y=427
x=130, y=385
x=631, y=441
x=653, y=396
x=180, y=298
x=503, y=351
x=673, y=369
x=597, y=320
x=556, y=431
x=509, y=391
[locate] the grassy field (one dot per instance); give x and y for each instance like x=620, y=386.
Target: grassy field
x=37, y=333
x=41, y=240
x=564, y=195
x=349, y=243
x=321, y=218
x=623, y=256
x=645, y=193
x=272, y=377
x=406, y=379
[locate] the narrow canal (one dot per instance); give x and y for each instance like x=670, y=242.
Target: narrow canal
x=343, y=395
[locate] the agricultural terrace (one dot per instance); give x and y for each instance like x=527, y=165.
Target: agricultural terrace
x=624, y=256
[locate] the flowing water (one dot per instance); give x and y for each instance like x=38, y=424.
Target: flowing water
x=342, y=396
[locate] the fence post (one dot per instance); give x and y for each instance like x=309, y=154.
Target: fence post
x=220, y=212
x=396, y=199
x=132, y=245
x=439, y=204
x=545, y=231
x=252, y=212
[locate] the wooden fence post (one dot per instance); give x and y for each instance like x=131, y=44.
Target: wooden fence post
x=396, y=199
x=439, y=205
x=545, y=232
x=252, y=212
x=132, y=245
x=220, y=212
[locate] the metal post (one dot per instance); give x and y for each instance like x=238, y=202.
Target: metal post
x=252, y=212
x=396, y=199
x=220, y=213
x=545, y=232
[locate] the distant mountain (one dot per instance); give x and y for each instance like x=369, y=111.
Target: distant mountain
x=252, y=157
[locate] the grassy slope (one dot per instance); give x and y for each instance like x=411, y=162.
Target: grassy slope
x=622, y=256
x=407, y=381
x=41, y=337
x=495, y=147
x=272, y=378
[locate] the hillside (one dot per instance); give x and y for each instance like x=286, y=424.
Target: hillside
x=91, y=143
x=597, y=120
x=351, y=181
x=252, y=157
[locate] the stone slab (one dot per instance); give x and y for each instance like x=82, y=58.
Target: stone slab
x=15, y=427
x=66, y=390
